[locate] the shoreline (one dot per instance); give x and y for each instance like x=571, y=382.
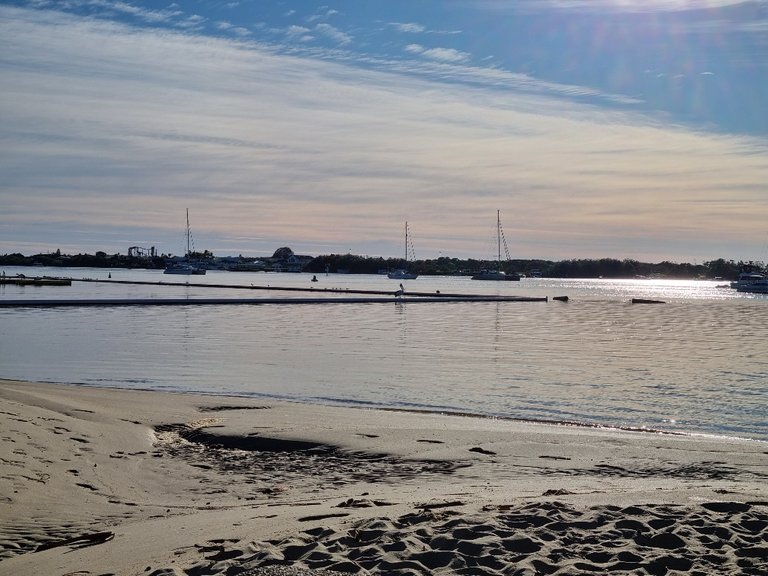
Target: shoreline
x=108, y=480
x=358, y=405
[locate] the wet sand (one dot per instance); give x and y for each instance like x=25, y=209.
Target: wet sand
x=102, y=481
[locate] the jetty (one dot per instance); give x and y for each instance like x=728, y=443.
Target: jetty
x=22, y=280
x=318, y=296
x=113, y=302
x=121, y=302
x=308, y=289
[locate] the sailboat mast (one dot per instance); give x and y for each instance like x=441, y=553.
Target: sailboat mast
x=406, y=241
x=498, y=237
x=187, y=232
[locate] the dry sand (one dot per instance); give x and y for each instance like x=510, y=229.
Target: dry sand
x=99, y=481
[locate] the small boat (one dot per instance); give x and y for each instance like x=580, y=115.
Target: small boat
x=402, y=273
x=495, y=275
x=747, y=278
x=498, y=274
x=756, y=287
x=186, y=266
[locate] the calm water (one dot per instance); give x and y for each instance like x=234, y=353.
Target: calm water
x=696, y=364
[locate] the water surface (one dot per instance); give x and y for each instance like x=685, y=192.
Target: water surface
x=694, y=364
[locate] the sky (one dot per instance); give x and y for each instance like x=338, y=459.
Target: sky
x=598, y=128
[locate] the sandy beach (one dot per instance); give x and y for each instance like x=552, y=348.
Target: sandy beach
x=104, y=481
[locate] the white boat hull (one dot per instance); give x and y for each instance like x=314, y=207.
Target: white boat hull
x=496, y=276
x=402, y=275
x=185, y=270
x=754, y=288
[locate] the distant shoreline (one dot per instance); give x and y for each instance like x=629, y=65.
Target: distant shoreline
x=608, y=268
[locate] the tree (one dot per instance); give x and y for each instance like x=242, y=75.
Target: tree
x=282, y=253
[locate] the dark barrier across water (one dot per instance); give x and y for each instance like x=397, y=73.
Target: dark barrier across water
x=329, y=296
x=51, y=303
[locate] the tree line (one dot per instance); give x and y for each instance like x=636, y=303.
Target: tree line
x=355, y=264
x=98, y=260
x=575, y=268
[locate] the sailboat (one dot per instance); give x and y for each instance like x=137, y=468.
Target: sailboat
x=186, y=266
x=402, y=273
x=498, y=273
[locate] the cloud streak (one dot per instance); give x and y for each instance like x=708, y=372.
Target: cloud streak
x=333, y=33
x=440, y=54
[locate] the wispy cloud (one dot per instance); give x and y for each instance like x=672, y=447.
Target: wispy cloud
x=414, y=28
x=439, y=54
x=232, y=29
x=322, y=13
x=193, y=22
x=298, y=33
x=113, y=6
x=408, y=27
x=151, y=16
x=332, y=33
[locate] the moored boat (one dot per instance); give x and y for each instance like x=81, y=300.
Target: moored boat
x=402, y=273
x=495, y=275
x=756, y=287
x=747, y=279
x=498, y=274
x=186, y=266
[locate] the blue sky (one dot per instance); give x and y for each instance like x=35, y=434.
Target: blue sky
x=599, y=128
